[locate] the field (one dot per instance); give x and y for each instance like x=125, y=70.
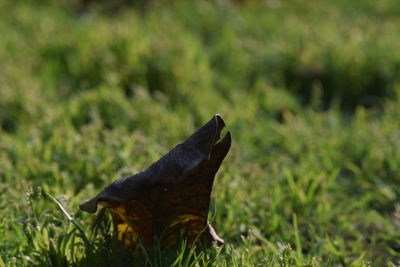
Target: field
x=91, y=91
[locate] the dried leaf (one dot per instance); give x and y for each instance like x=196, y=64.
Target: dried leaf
x=170, y=198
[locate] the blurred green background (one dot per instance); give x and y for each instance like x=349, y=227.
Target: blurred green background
x=92, y=90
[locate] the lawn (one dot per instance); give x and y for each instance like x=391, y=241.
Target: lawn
x=91, y=91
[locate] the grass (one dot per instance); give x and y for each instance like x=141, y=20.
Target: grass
x=310, y=92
